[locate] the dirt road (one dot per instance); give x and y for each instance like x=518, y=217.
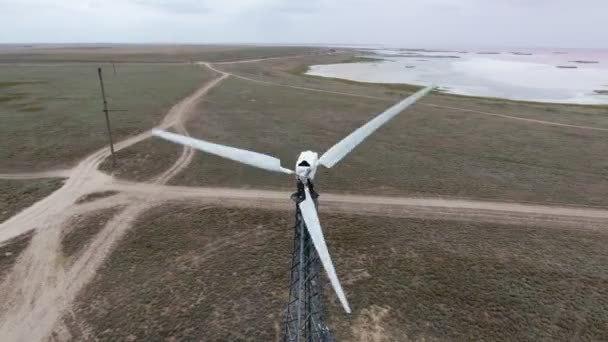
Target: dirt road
x=41, y=287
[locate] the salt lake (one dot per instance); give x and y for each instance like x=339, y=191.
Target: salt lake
x=543, y=75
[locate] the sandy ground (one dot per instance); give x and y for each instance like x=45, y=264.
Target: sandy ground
x=40, y=288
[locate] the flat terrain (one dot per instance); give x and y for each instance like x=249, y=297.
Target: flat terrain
x=219, y=274
x=429, y=222
x=427, y=150
x=16, y=195
x=446, y=145
x=50, y=115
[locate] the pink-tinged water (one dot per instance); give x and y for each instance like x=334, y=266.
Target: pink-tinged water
x=533, y=77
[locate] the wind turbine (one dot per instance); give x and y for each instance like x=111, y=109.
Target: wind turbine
x=305, y=170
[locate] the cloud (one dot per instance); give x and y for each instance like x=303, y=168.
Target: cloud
x=297, y=7
x=176, y=6
x=426, y=23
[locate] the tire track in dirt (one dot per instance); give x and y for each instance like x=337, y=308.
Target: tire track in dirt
x=40, y=288
x=181, y=163
x=178, y=122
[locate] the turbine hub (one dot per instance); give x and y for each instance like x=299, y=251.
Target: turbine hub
x=306, y=166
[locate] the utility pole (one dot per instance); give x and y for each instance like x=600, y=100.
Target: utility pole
x=105, y=110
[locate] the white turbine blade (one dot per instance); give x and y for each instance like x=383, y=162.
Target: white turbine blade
x=309, y=213
x=341, y=149
x=256, y=159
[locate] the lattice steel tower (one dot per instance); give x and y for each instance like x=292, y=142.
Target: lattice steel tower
x=305, y=316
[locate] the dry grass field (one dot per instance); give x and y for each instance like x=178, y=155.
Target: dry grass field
x=142, y=161
x=108, y=260
x=217, y=274
x=425, y=151
x=50, y=115
x=82, y=229
x=444, y=146
x=16, y=195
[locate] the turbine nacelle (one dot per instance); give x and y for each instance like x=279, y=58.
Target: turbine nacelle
x=306, y=166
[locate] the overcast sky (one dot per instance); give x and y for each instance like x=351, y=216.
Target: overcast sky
x=423, y=23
